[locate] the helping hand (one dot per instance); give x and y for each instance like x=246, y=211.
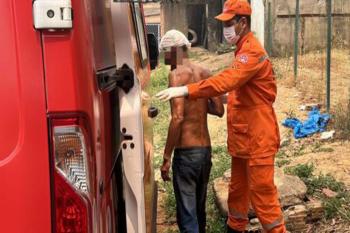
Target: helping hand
x=172, y=92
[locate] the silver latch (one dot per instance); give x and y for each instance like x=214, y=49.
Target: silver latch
x=52, y=14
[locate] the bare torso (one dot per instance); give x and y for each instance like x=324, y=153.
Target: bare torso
x=194, y=128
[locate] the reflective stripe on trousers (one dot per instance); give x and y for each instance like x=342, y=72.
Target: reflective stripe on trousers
x=277, y=222
x=235, y=214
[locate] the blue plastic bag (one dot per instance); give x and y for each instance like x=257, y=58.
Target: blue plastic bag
x=315, y=123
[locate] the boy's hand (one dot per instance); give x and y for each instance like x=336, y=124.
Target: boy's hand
x=165, y=170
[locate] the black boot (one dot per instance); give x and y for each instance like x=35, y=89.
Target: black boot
x=230, y=230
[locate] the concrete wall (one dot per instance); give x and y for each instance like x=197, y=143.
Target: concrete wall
x=313, y=25
x=152, y=13
x=214, y=26
x=174, y=15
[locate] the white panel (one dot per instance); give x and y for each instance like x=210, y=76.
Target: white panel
x=131, y=119
x=258, y=20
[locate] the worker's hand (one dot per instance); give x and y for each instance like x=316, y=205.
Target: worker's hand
x=172, y=92
x=165, y=170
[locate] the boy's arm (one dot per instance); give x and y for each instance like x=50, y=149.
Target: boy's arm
x=215, y=105
x=174, y=130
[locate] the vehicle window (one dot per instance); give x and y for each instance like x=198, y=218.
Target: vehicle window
x=140, y=32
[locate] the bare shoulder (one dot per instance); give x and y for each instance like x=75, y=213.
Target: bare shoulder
x=203, y=72
x=180, y=76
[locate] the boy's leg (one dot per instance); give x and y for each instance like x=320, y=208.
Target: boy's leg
x=202, y=185
x=184, y=181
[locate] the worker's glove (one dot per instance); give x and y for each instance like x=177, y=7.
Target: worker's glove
x=172, y=92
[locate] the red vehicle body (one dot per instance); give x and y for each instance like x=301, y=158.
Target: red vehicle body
x=62, y=118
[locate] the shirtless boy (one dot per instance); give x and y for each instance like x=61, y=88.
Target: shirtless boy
x=188, y=137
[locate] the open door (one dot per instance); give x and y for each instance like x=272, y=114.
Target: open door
x=130, y=119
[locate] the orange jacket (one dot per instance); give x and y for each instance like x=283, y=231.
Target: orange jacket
x=251, y=122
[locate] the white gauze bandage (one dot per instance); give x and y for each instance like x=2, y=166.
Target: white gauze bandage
x=173, y=38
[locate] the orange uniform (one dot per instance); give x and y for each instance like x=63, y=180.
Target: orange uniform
x=253, y=135
x=252, y=125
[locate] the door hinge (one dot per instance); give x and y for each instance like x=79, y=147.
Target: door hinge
x=125, y=78
x=52, y=14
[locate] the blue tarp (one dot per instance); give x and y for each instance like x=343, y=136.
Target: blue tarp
x=316, y=122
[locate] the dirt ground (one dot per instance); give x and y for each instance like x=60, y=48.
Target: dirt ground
x=310, y=89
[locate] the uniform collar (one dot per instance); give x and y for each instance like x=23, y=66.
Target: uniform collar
x=242, y=40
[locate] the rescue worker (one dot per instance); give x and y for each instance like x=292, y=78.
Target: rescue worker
x=253, y=134
x=188, y=137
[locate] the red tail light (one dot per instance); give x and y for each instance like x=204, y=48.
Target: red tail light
x=71, y=209
x=70, y=175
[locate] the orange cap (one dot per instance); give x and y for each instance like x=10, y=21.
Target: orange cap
x=234, y=7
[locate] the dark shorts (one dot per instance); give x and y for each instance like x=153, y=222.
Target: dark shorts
x=191, y=170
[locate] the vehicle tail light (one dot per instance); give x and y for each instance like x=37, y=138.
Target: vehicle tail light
x=70, y=175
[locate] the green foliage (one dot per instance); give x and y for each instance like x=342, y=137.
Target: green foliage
x=170, y=202
x=281, y=154
x=159, y=81
x=215, y=222
x=282, y=162
x=317, y=183
x=337, y=206
x=314, y=183
x=221, y=161
x=303, y=171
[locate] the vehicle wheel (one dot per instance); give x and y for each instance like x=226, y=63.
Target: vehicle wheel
x=192, y=36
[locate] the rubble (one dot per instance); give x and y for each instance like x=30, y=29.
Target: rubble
x=254, y=226
x=297, y=212
x=315, y=210
x=329, y=193
x=292, y=189
x=295, y=218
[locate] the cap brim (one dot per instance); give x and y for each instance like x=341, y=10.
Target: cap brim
x=225, y=16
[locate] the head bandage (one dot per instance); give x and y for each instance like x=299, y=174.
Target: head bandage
x=173, y=38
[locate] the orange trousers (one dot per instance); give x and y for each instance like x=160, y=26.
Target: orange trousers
x=252, y=181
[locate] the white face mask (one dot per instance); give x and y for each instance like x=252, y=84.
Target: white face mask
x=230, y=35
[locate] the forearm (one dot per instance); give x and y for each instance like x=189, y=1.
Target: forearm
x=174, y=133
x=215, y=86
x=226, y=81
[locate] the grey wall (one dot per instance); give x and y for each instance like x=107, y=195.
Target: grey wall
x=178, y=15
x=313, y=25
x=173, y=16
